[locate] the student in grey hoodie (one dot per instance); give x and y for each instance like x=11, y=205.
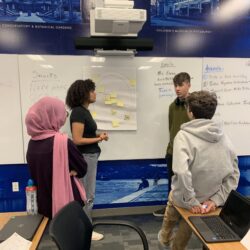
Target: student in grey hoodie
x=205, y=168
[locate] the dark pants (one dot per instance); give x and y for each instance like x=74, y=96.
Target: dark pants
x=169, y=159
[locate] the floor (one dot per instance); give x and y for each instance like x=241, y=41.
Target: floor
x=124, y=238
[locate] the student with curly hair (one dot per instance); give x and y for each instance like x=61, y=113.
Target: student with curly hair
x=205, y=167
x=83, y=127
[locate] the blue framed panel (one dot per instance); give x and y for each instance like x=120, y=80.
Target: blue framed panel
x=117, y=183
x=121, y=183
x=54, y=11
x=50, y=27
x=244, y=185
x=9, y=200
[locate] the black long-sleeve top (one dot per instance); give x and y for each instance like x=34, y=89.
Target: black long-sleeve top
x=40, y=158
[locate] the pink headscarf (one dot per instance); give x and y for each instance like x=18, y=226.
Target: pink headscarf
x=44, y=119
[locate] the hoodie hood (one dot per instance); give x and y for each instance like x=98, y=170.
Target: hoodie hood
x=205, y=129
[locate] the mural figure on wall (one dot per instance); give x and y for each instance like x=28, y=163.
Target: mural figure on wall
x=182, y=13
x=130, y=182
x=39, y=11
x=85, y=7
x=143, y=184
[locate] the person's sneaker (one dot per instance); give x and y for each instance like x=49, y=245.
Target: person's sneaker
x=166, y=245
x=160, y=212
x=96, y=236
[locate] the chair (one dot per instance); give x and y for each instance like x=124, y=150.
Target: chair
x=71, y=229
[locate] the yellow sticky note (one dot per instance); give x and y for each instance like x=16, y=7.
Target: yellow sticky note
x=95, y=78
x=100, y=89
x=107, y=98
x=113, y=95
x=93, y=114
x=108, y=102
x=120, y=103
x=132, y=82
x=115, y=124
x=113, y=101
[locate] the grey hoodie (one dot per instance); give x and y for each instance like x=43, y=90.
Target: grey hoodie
x=204, y=163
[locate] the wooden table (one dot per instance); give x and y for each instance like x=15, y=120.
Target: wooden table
x=211, y=246
x=4, y=217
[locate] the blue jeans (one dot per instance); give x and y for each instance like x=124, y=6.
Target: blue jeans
x=89, y=181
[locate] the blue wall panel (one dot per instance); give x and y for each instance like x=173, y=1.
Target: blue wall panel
x=13, y=201
x=117, y=183
x=192, y=34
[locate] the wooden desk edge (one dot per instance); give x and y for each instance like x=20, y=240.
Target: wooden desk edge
x=4, y=217
x=213, y=246
x=38, y=235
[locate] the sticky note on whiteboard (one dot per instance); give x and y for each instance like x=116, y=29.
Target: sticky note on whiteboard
x=113, y=101
x=95, y=78
x=120, y=103
x=93, y=114
x=113, y=95
x=115, y=124
x=100, y=89
x=132, y=82
x=113, y=112
x=107, y=98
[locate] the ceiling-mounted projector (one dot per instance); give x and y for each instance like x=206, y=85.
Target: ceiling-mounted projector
x=120, y=4
x=119, y=20
x=114, y=26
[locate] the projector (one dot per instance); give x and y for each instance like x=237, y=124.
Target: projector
x=116, y=21
x=120, y=4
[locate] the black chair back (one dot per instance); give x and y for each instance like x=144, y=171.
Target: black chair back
x=71, y=228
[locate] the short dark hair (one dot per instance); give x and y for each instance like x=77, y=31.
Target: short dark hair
x=202, y=104
x=180, y=78
x=78, y=92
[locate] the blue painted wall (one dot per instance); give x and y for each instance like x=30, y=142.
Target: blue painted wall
x=13, y=201
x=50, y=28
x=115, y=180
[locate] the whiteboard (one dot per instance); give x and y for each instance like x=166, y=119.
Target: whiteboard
x=52, y=75
x=155, y=91
x=25, y=79
x=230, y=79
x=46, y=76
x=11, y=142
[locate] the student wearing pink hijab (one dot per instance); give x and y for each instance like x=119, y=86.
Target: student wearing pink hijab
x=54, y=161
